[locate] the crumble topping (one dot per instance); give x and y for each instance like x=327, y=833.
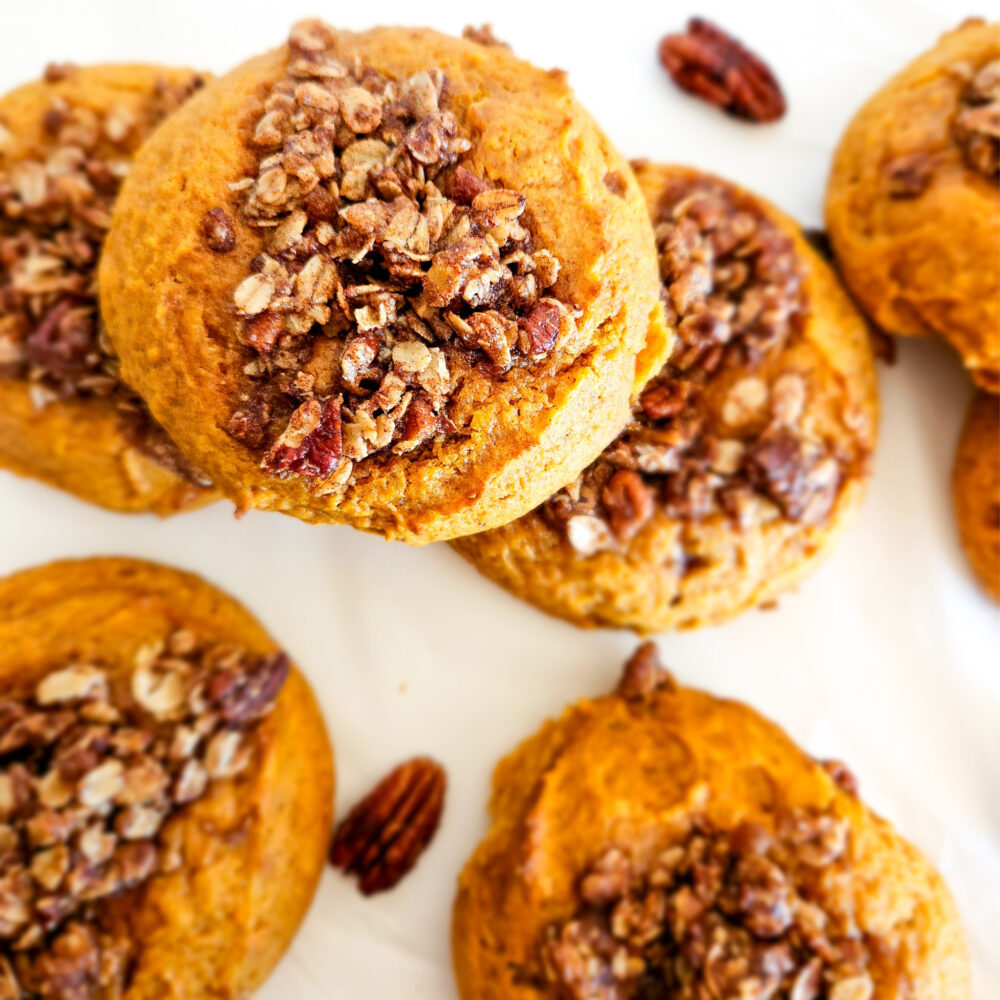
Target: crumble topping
x=745, y=913
x=55, y=208
x=735, y=285
x=977, y=125
x=390, y=272
x=92, y=768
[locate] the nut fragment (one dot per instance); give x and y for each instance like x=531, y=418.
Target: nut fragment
x=628, y=503
x=74, y=683
x=644, y=674
x=161, y=692
x=384, y=835
x=709, y=63
x=909, y=176
x=218, y=231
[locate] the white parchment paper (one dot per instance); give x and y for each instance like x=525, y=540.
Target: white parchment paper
x=887, y=657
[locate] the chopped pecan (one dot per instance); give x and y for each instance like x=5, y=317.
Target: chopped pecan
x=541, y=327
x=217, y=228
x=242, y=692
x=63, y=342
x=908, y=176
x=842, y=775
x=483, y=35
x=709, y=63
x=384, y=835
x=465, y=186
x=311, y=444
x=663, y=399
x=628, y=503
x=797, y=474
x=615, y=183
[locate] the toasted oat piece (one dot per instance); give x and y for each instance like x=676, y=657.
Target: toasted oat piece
x=976, y=490
x=66, y=143
x=913, y=203
x=165, y=787
x=440, y=280
x=660, y=842
x=745, y=456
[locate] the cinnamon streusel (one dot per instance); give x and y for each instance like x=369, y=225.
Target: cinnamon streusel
x=162, y=769
x=744, y=455
x=66, y=144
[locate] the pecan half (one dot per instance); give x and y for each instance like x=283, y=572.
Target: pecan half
x=384, y=835
x=707, y=62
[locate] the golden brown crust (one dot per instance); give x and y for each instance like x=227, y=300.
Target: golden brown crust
x=927, y=263
x=254, y=847
x=87, y=447
x=527, y=434
x=647, y=587
x=631, y=775
x=976, y=490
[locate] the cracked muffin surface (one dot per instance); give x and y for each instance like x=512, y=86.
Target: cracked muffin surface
x=976, y=490
x=913, y=203
x=165, y=787
x=66, y=143
x=745, y=455
x=661, y=842
x=398, y=280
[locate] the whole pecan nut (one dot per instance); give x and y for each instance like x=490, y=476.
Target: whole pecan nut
x=707, y=62
x=384, y=835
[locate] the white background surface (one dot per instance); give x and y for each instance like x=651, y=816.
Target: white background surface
x=888, y=657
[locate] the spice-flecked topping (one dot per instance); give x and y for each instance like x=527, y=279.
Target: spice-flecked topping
x=92, y=768
x=390, y=272
x=745, y=913
x=55, y=209
x=977, y=125
x=735, y=283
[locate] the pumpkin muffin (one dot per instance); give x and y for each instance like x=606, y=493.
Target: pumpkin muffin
x=66, y=142
x=913, y=206
x=165, y=787
x=746, y=455
x=976, y=489
x=660, y=842
x=392, y=279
